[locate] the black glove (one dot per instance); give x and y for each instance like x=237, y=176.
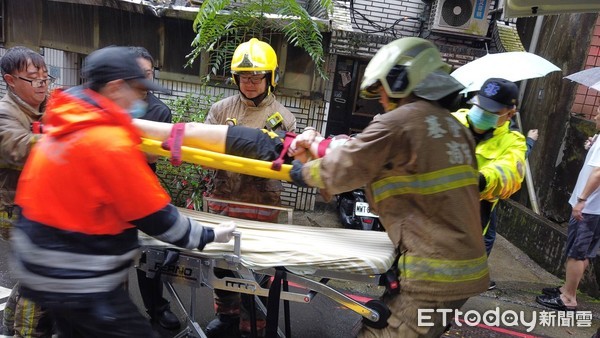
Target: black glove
x=482, y=182
x=296, y=174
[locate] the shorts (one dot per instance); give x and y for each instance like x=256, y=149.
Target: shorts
x=258, y=144
x=583, y=237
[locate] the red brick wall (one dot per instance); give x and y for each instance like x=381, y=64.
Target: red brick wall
x=587, y=100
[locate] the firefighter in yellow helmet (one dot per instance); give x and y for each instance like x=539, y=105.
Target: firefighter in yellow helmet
x=413, y=157
x=255, y=72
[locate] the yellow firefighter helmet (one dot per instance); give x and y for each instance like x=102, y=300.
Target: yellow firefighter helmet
x=255, y=57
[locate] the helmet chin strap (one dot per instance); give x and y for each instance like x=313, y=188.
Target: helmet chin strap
x=257, y=100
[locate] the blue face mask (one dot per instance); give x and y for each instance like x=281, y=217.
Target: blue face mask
x=481, y=119
x=138, y=109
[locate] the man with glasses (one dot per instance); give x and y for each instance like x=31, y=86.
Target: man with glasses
x=255, y=72
x=26, y=76
x=500, y=150
x=157, y=110
x=38, y=83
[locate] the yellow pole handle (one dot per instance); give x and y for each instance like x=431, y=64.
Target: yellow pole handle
x=214, y=160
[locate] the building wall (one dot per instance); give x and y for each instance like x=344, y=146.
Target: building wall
x=375, y=23
x=546, y=106
x=588, y=100
x=387, y=17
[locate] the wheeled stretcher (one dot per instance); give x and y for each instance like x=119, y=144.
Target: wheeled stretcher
x=306, y=256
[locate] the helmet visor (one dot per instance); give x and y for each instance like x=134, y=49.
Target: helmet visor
x=379, y=66
x=371, y=92
x=249, y=72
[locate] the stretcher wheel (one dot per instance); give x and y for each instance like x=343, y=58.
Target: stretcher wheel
x=383, y=311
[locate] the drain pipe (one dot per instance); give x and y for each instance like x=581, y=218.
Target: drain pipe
x=528, y=178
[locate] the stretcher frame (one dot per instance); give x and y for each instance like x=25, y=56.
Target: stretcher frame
x=195, y=270
x=289, y=211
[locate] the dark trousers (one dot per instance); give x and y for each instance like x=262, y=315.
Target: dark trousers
x=490, y=236
x=233, y=303
x=113, y=316
x=151, y=290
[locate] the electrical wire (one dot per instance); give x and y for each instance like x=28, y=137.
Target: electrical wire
x=391, y=29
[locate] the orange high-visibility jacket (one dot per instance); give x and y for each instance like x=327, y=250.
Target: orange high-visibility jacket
x=86, y=174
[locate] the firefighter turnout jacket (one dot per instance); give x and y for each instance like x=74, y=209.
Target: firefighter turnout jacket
x=16, y=139
x=418, y=163
x=244, y=188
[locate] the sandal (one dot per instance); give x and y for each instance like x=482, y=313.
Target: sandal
x=553, y=292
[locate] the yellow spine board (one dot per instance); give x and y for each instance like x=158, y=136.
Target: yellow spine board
x=214, y=160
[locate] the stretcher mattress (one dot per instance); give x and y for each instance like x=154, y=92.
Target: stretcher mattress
x=300, y=249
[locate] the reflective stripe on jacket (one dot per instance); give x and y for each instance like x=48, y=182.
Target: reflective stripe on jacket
x=418, y=163
x=442, y=270
x=424, y=184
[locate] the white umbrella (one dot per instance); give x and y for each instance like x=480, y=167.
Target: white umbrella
x=512, y=66
x=589, y=78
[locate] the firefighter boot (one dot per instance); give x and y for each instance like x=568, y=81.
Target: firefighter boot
x=167, y=319
x=224, y=326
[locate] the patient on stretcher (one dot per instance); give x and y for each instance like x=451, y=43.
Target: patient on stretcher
x=259, y=144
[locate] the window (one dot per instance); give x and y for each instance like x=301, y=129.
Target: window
x=74, y=31
x=299, y=69
x=179, y=35
x=129, y=29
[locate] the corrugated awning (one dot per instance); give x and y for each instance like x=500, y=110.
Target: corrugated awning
x=180, y=9
x=506, y=37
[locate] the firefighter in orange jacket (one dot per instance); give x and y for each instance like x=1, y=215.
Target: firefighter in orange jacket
x=419, y=166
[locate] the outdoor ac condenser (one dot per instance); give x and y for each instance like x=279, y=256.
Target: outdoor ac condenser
x=460, y=17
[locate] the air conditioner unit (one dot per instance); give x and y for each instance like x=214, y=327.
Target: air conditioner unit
x=461, y=17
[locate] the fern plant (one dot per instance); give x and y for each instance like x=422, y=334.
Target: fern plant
x=221, y=25
x=187, y=183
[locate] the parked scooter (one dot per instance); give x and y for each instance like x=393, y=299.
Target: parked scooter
x=355, y=213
